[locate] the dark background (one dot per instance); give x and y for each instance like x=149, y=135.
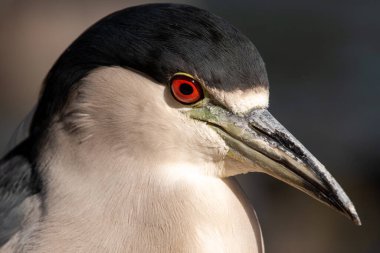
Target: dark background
x=323, y=60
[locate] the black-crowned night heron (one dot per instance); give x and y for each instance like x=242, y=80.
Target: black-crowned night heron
x=140, y=127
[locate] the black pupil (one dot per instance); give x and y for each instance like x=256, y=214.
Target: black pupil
x=186, y=89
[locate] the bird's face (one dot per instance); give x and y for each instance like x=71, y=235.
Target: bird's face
x=197, y=98
x=192, y=128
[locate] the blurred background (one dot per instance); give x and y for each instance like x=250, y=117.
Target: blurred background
x=323, y=60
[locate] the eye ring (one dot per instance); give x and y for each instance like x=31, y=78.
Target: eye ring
x=185, y=89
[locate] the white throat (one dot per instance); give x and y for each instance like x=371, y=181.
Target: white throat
x=146, y=211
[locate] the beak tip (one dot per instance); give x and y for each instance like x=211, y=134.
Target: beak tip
x=357, y=221
x=354, y=216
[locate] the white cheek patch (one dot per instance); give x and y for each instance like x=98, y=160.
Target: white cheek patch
x=241, y=101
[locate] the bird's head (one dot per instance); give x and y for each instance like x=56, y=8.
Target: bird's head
x=178, y=85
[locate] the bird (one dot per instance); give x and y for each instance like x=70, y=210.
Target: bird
x=141, y=125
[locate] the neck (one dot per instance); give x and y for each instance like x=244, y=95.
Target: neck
x=112, y=202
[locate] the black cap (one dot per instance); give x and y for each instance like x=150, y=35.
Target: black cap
x=158, y=40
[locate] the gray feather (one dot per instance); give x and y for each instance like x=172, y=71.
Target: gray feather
x=17, y=181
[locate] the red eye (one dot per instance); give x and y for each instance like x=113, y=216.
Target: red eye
x=185, y=89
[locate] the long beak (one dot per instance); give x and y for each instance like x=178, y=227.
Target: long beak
x=261, y=139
